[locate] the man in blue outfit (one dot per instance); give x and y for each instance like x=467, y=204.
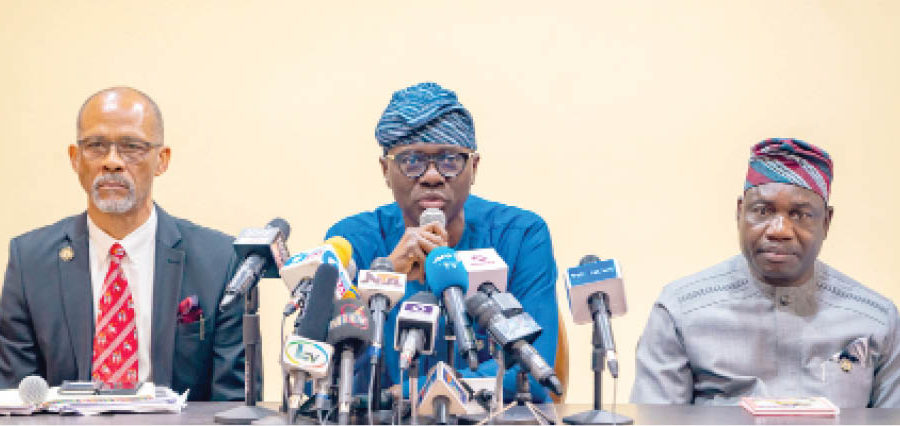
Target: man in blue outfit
x=430, y=161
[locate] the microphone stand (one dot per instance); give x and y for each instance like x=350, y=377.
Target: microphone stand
x=598, y=416
x=497, y=352
x=414, y=391
x=450, y=338
x=520, y=412
x=252, y=342
x=376, y=366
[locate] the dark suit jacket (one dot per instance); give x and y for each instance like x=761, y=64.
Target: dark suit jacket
x=47, y=318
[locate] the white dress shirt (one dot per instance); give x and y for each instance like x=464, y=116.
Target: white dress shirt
x=137, y=265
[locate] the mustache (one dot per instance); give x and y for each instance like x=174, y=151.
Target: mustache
x=112, y=178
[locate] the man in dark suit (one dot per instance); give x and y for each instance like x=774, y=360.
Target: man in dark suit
x=122, y=293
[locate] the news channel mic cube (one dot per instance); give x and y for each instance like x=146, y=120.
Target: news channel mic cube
x=390, y=284
x=513, y=329
x=442, y=381
x=265, y=242
x=423, y=316
x=310, y=356
x=345, y=288
x=508, y=303
x=484, y=265
x=584, y=280
x=304, y=265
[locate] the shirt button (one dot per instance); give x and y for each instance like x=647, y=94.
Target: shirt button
x=785, y=299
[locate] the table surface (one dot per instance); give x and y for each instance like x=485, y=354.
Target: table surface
x=203, y=412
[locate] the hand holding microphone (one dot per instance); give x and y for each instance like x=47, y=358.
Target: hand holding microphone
x=409, y=255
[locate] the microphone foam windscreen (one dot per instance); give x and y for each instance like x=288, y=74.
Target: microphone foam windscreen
x=320, y=303
x=33, y=390
x=590, y=258
x=423, y=297
x=342, y=247
x=282, y=226
x=432, y=214
x=482, y=308
x=350, y=325
x=443, y=269
x=382, y=264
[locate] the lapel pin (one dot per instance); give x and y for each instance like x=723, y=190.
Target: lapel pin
x=66, y=254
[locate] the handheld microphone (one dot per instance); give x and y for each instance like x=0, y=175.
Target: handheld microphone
x=433, y=214
x=33, y=390
x=350, y=331
x=380, y=287
x=263, y=252
x=298, y=297
x=305, y=353
x=443, y=394
x=335, y=251
x=596, y=294
x=448, y=280
x=484, y=266
x=515, y=335
x=416, y=327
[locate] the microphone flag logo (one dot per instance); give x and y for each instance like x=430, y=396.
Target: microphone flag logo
x=418, y=307
x=306, y=353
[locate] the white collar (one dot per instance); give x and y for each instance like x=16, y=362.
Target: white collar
x=140, y=237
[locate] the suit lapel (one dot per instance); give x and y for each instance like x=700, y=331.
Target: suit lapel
x=77, y=294
x=167, y=276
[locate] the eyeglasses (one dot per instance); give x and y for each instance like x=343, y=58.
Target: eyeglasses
x=132, y=150
x=414, y=164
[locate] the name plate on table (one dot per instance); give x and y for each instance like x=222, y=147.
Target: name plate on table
x=805, y=406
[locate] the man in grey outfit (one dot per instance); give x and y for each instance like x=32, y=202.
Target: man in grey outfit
x=774, y=321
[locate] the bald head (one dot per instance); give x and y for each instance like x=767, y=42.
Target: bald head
x=122, y=104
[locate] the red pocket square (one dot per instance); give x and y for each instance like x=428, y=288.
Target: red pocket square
x=189, y=310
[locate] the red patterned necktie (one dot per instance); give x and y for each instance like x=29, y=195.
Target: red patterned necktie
x=115, y=342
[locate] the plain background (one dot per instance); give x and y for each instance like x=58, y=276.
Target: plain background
x=626, y=125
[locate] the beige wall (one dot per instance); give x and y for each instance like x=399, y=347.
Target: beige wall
x=626, y=125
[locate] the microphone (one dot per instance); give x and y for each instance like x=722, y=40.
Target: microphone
x=448, y=280
x=596, y=293
x=335, y=251
x=416, y=327
x=433, y=214
x=515, y=335
x=305, y=353
x=33, y=390
x=380, y=287
x=443, y=394
x=484, y=266
x=349, y=331
x=263, y=252
x=298, y=297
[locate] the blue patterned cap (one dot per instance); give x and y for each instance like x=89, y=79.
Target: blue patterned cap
x=425, y=113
